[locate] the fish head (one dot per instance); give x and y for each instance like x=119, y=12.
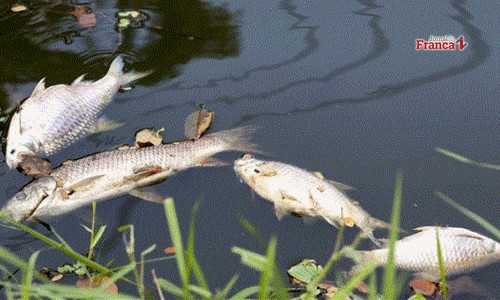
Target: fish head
x=32, y=199
x=245, y=167
x=18, y=144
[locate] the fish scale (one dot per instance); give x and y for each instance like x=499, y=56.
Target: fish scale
x=113, y=173
x=462, y=251
x=55, y=117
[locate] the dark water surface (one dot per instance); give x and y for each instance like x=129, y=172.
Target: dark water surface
x=333, y=86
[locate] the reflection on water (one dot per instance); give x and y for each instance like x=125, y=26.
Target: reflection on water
x=62, y=41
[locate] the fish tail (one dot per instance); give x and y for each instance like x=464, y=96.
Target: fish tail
x=237, y=139
x=116, y=70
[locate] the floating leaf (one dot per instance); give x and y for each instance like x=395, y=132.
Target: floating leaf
x=97, y=281
x=423, y=286
x=198, y=123
x=305, y=271
x=148, y=137
x=35, y=166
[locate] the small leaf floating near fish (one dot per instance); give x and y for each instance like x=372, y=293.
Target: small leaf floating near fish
x=198, y=122
x=148, y=137
x=34, y=166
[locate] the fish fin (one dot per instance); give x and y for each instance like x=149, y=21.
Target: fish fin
x=142, y=173
x=213, y=162
x=84, y=184
x=197, y=123
x=40, y=87
x=237, y=139
x=116, y=70
x=105, y=124
x=341, y=186
x=279, y=211
x=144, y=194
x=79, y=79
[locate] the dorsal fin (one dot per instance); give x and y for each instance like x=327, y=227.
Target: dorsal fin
x=40, y=87
x=79, y=79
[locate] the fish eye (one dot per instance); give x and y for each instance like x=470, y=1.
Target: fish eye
x=247, y=156
x=21, y=196
x=256, y=170
x=12, y=151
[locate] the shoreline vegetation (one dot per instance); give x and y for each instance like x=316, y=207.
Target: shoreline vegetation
x=21, y=279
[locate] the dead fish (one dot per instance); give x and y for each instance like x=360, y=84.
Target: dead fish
x=113, y=173
x=300, y=192
x=55, y=117
x=462, y=250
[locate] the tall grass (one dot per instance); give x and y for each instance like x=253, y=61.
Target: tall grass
x=193, y=284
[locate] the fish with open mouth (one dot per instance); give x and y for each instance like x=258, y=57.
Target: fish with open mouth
x=302, y=193
x=55, y=117
x=462, y=251
x=117, y=172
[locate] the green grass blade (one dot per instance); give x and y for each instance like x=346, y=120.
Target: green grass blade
x=246, y=293
x=466, y=160
x=190, y=256
x=442, y=271
x=61, y=248
x=175, y=234
x=389, y=292
x=225, y=291
x=117, y=275
x=97, y=236
x=200, y=291
x=372, y=289
x=267, y=272
x=11, y=258
x=346, y=290
x=250, y=259
x=253, y=231
x=27, y=278
x=473, y=216
x=171, y=288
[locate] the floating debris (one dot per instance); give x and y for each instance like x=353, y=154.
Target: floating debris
x=423, y=286
x=34, y=166
x=148, y=137
x=198, y=123
x=95, y=282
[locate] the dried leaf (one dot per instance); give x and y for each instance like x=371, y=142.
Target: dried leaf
x=95, y=282
x=198, y=123
x=329, y=289
x=147, y=137
x=423, y=286
x=35, y=166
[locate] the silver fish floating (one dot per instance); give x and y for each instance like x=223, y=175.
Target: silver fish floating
x=302, y=193
x=55, y=117
x=113, y=173
x=462, y=251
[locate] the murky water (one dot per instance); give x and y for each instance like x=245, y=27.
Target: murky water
x=333, y=86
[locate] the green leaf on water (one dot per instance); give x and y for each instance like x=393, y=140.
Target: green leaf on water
x=305, y=271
